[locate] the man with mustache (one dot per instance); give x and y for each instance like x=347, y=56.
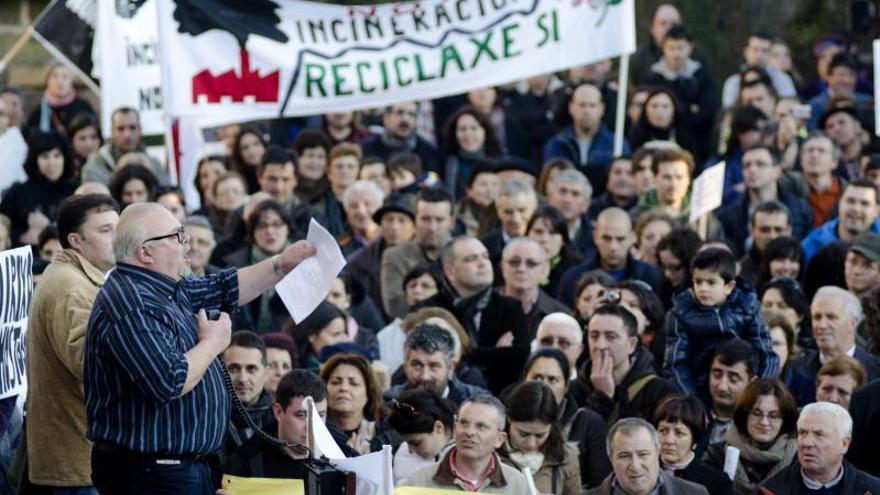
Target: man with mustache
x=734, y=366
x=399, y=123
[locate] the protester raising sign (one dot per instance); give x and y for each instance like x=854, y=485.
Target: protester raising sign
x=16, y=288
x=286, y=57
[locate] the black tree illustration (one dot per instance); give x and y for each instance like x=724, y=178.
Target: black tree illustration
x=241, y=18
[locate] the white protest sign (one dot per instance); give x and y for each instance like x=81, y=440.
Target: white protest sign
x=129, y=62
x=373, y=471
x=707, y=191
x=16, y=289
x=267, y=58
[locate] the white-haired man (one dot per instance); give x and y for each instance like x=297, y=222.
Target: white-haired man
x=824, y=433
x=836, y=313
x=561, y=331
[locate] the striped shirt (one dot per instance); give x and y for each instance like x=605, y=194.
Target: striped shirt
x=141, y=326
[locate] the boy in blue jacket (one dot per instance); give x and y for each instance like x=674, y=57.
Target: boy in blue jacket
x=718, y=308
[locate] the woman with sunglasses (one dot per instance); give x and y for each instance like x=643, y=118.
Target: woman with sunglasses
x=425, y=423
x=535, y=440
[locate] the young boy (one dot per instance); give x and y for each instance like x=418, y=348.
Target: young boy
x=718, y=308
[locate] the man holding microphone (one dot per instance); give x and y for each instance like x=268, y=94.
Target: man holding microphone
x=156, y=401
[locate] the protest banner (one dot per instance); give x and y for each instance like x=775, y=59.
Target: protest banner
x=236, y=485
x=706, y=195
x=129, y=62
x=876, y=48
x=288, y=57
x=16, y=289
x=66, y=28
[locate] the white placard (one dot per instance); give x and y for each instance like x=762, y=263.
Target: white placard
x=707, y=191
x=16, y=290
x=876, y=87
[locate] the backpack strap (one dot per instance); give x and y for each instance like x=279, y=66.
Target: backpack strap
x=631, y=392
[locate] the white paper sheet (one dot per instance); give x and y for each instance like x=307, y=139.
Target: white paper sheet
x=373, y=472
x=731, y=461
x=303, y=289
x=320, y=440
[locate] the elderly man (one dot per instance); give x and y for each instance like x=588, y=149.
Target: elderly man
x=201, y=245
x=561, y=331
x=434, y=221
x=125, y=137
x=151, y=354
x=429, y=364
x=861, y=268
x=836, y=314
x=824, y=434
x=472, y=465
x=399, y=124
x=858, y=213
x=58, y=453
x=361, y=200
x=524, y=265
x=570, y=193
x=613, y=237
x=634, y=449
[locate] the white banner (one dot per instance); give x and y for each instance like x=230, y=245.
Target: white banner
x=129, y=63
x=876, y=46
x=707, y=191
x=273, y=57
x=16, y=288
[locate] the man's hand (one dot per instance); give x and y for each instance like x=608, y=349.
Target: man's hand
x=295, y=254
x=601, y=375
x=218, y=332
x=505, y=340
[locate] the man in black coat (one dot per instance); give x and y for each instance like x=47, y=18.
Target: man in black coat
x=399, y=121
x=824, y=436
x=865, y=411
x=494, y=322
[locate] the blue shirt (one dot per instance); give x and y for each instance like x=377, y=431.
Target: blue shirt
x=141, y=326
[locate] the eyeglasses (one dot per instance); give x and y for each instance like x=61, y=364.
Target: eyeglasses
x=530, y=263
x=758, y=415
x=558, y=342
x=179, y=233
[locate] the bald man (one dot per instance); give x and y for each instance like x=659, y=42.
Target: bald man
x=613, y=236
x=155, y=397
x=587, y=142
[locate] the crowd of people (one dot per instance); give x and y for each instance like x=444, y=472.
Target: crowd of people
x=516, y=294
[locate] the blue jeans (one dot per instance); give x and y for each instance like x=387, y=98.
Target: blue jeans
x=114, y=474
x=78, y=490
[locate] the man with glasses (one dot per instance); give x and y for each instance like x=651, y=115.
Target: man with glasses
x=472, y=465
x=399, y=123
x=156, y=403
x=561, y=331
x=524, y=265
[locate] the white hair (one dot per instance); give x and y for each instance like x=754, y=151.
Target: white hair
x=364, y=187
x=851, y=305
x=132, y=229
x=515, y=187
x=563, y=319
x=842, y=420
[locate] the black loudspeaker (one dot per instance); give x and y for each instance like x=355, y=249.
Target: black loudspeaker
x=324, y=479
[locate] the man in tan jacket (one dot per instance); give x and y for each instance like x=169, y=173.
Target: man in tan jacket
x=472, y=465
x=58, y=452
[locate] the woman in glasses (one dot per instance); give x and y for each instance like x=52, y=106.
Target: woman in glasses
x=764, y=430
x=535, y=440
x=425, y=423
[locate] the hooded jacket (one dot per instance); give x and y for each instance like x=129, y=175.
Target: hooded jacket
x=695, y=331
